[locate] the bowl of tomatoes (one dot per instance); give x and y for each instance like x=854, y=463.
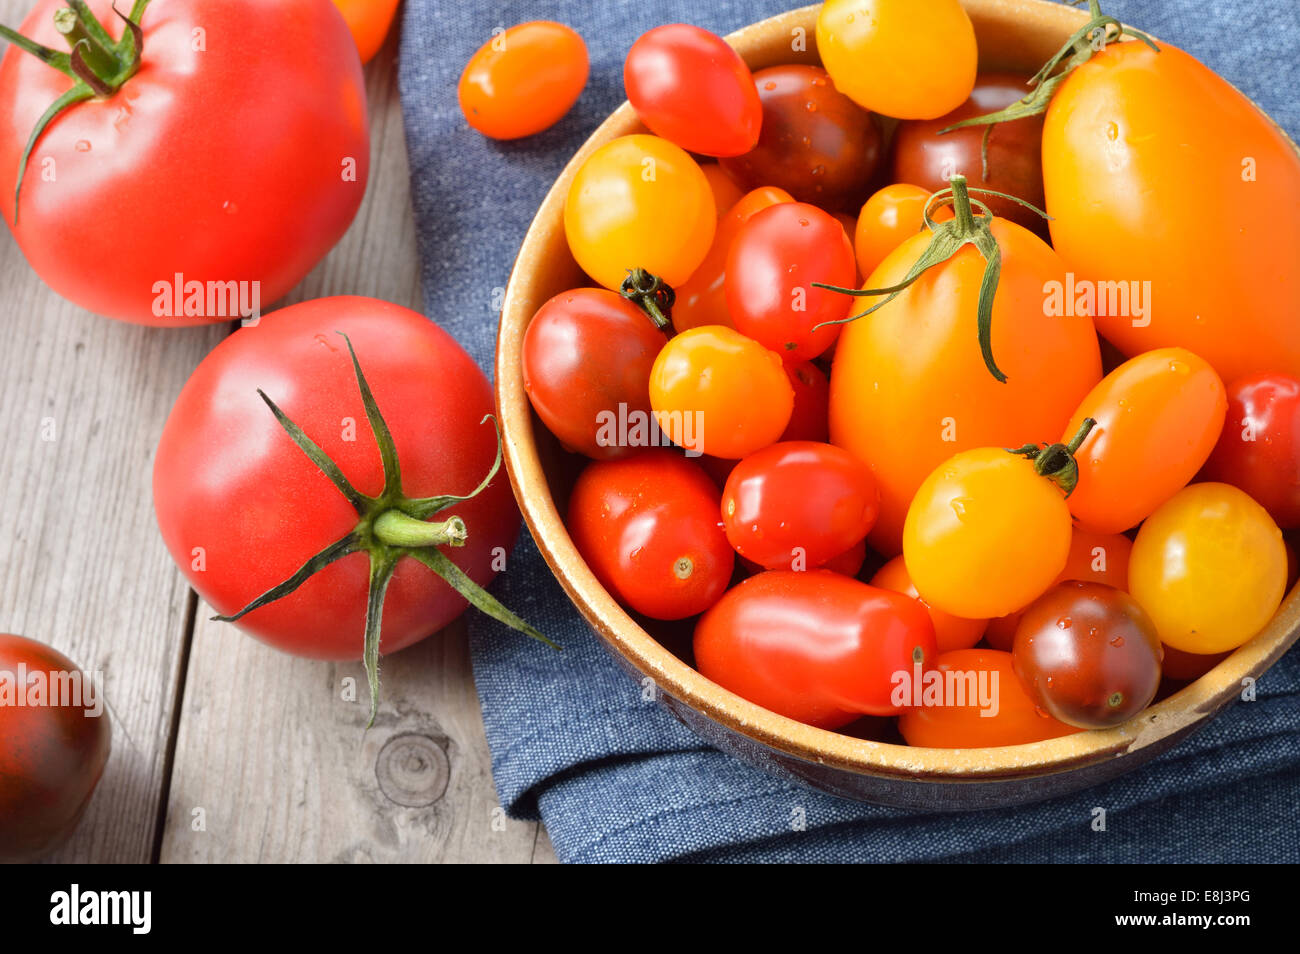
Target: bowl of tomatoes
x=883, y=480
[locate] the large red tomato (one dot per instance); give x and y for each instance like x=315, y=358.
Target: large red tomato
x=238, y=152
x=51, y=755
x=242, y=507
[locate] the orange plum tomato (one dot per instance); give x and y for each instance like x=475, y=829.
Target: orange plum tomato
x=523, y=80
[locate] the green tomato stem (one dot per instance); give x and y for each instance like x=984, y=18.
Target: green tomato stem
x=397, y=529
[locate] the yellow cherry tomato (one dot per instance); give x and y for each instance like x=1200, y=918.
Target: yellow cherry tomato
x=1209, y=567
x=639, y=202
x=910, y=59
x=717, y=392
x=889, y=218
x=985, y=534
x=523, y=80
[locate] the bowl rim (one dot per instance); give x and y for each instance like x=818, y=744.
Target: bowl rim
x=1177, y=713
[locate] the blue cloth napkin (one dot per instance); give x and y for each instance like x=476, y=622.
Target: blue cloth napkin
x=573, y=743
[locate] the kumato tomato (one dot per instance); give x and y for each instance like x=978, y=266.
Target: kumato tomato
x=814, y=646
x=648, y=527
x=1094, y=557
x=774, y=259
x=716, y=392
x=900, y=58
x=587, y=356
x=702, y=298
x=985, y=534
x=1185, y=667
x=816, y=143
x=955, y=716
x=1259, y=449
x=54, y=743
x=1158, y=418
x=1209, y=567
x=1088, y=654
x=950, y=632
x=913, y=382
x=639, y=202
x=924, y=157
x=1200, y=238
x=688, y=86
x=796, y=505
x=523, y=80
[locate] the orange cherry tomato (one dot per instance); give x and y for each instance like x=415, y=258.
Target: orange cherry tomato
x=1017, y=720
x=725, y=191
x=702, y=298
x=900, y=58
x=1157, y=171
x=889, y=218
x=951, y=632
x=717, y=392
x=1093, y=558
x=639, y=202
x=523, y=80
x=369, y=21
x=909, y=386
x=1158, y=418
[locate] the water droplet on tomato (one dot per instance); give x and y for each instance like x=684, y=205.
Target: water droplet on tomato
x=810, y=106
x=1112, y=131
x=83, y=145
x=1064, y=622
x=1117, y=642
x=769, y=85
x=229, y=207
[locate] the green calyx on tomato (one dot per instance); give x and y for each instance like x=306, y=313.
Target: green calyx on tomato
x=654, y=296
x=1056, y=461
x=1079, y=48
x=98, y=65
x=390, y=527
x=948, y=239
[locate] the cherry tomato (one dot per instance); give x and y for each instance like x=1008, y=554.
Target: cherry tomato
x=816, y=646
x=639, y=202
x=238, y=161
x=909, y=387
x=796, y=505
x=717, y=392
x=985, y=534
x=1259, y=449
x=1117, y=142
x=901, y=58
x=587, y=356
x=1088, y=654
x=702, y=298
x=690, y=87
x=773, y=262
x=812, y=397
x=1210, y=568
x=52, y=754
x=950, y=632
x=369, y=21
x=725, y=191
x=1158, y=417
x=890, y=217
x=816, y=143
x=922, y=156
x=241, y=507
x=523, y=80
x=648, y=527
x=946, y=725
x=1094, y=557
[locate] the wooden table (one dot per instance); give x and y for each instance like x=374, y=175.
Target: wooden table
x=223, y=749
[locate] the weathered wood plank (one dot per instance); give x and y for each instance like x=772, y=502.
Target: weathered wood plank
x=272, y=763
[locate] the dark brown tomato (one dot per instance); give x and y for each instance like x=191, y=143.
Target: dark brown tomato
x=587, y=356
x=1088, y=654
x=922, y=157
x=51, y=756
x=816, y=143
